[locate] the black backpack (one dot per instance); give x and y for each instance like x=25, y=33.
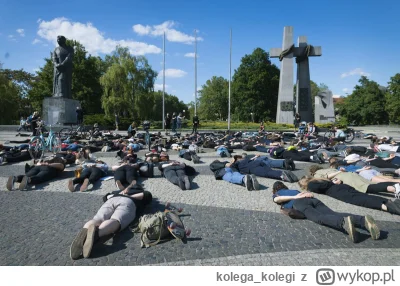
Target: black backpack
x=277, y=153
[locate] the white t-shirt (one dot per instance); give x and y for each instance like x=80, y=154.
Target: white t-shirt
x=388, y=147
x=340, y=133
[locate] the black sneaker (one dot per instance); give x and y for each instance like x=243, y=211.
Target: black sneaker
x=393, y=207
x=247, y=182
x=288, y=164
x=76, y=248
x=10, y=183
x=372, y=228
x=348, y=226
x=288, y=176
x=256, y=185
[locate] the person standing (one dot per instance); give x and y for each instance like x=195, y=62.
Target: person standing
x=79, y=115
x=195, y=123
x=167, y=122
x=174, y=121
x=116, y=121
x=34, y=122
x=179, y=120
x=297, y=120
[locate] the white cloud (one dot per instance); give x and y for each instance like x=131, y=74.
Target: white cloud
x=191, y=55
x=12, y=38
x=357, y=71
x=158, y=86
x=21, y=32
x=90, y=37
x=336, y=96
x=173, y=73
x=172, y=35
x=36, y=41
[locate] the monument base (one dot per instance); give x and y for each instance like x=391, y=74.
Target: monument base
x=59, y=111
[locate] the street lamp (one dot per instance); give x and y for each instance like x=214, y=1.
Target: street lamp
x=252, y=116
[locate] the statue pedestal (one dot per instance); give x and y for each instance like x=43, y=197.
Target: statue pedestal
x=59, y=111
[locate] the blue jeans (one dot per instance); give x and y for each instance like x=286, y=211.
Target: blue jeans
x=278, y=163
x=233, y=177
x=222, y=149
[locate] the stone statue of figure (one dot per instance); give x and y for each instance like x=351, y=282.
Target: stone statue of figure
x=62, y=60
x=326, y=98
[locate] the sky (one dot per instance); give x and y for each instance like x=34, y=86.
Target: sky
x=358, y=37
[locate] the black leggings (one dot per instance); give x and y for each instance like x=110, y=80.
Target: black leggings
x=40, y=174
x=318, y=212
x=379, y=187
x=348, y=194
x=126, y=174
x=93, y=174
x=17, y=157
x=174, y=174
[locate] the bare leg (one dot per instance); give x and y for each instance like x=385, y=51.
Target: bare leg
x=380, y=179
x=108, y=227
x=391, y=189
x=92, y=221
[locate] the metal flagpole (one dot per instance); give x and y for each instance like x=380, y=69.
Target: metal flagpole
x=163, y=92
x=195, y=72
x=230, y=79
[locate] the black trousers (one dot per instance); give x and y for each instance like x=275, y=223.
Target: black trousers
x=93, y=174
x=126, y=174
x=318, y=212
x=17, y=157
x=40, y=174
x=174, y=174
x=194, y=130
x=379, y=187
x=348, y=194
x=297, y=156
x=380, y=163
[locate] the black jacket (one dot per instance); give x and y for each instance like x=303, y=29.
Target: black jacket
x=218, y=168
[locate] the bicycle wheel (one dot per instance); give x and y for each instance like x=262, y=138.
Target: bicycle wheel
x=65, y=133
x=349, y=136
x=55, y=145
x=36, y=148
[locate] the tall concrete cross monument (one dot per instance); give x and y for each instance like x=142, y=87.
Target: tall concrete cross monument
x=284, y=113
x=303, y=84
x=285, y=110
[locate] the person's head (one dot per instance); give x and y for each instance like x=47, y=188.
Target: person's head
x=35, y=113
x=61, y=40
x=333, y=160
x=278, y=185
x=314, y=168
x=167, y=114
x=303, y=182
x=311, y=123
x=237, y=158
x=77, y=108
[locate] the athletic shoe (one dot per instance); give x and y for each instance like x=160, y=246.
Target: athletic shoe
x=348, y=226
x=288, y=176
x=85, y=185
x=393, y=207
x=71, y=186
x=289, y=164
x=24, y=183
x=119, y=185
x=247, y=182
x=256, y=185
x=187, y=182
x=181, y=185
x=397, y=192
x=88, y=245
x=10, y=183
x=76, y=248
x=321, y=158
x=372, y=228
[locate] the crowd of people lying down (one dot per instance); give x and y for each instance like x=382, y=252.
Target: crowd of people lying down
x=352, y=174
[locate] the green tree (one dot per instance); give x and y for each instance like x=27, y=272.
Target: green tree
x=9, y=95
x=86, y=86
x=213, y=99
x=128, y=85
x=393, y=99
x=255, y=87
x=366, y=105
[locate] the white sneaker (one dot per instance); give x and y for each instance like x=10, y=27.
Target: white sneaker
x=397, y=192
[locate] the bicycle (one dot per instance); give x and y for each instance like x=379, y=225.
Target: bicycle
x=147, y=138
x=71, y=132
x=348, y=138
x=39, y=144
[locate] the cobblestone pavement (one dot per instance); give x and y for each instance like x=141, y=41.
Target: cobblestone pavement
x=230, y=226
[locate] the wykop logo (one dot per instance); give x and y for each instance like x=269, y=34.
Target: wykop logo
x=325, y=276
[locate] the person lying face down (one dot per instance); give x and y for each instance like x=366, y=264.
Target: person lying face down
x=336, y=189
x=39, y=173
x=316, y=211
x=118, y=211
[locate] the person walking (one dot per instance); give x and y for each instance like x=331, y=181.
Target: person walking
x=116, y=121
x=79, y=116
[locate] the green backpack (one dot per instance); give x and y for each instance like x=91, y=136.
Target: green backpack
x=153, y=228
